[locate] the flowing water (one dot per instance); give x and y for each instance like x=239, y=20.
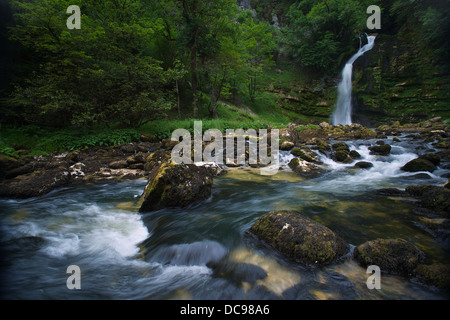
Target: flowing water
x=343, y=113
x=204, y=252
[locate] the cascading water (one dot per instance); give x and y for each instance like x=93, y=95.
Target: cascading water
x=342, y=114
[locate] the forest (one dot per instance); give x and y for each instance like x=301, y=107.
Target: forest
x=153, y=66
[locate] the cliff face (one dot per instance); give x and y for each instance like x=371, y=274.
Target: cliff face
x=399, y=80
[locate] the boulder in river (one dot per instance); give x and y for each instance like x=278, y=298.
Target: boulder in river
x=437, y=275
x=434, y=198
x=418, y=165
x=396, y=256
x=363, y=165
x=432, y=157
x=382, y=150
x=299, y=238
x=304, y=168
x=176, y=185
x=35, y=184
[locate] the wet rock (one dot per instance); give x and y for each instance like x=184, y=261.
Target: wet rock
x=341, y=146
x=296, y=152
x=35, y=184
x=168, y=143
x=299, y=238
x=391, y=192
x=363, y=165
x=342, y=156
x=286, y=145
x=435, y=199
x=73, y=156
x=325, y=125
x=156, y=159
x=396, y=256
x=304, y=168
x=118, y=164
x=383, y=128
x=382, y=150
x=128, y=148
x=174, y=185
x=354, y=154
x=322, y=146
x=432, y=157
x=418, y=165
x=437, y=275
x=306, y=154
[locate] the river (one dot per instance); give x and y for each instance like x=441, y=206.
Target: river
x=204, y=251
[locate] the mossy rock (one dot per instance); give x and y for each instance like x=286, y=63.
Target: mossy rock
x=382, y=150
x=341, y=146
x=175, y=185
x=304, y=168
x=363, y=165
x=416, y=165
x=396, y=256
x=432, y=157
x=155, y=159
x=354, y=154
x=308, y=155
x=342, y=156
x=437, y=275
x=296, y=152
x=299, y=238
x=322, y=146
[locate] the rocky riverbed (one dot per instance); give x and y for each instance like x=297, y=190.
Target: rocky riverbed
x=312, y=153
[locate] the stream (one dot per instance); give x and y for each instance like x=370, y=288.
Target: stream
x=174, y=253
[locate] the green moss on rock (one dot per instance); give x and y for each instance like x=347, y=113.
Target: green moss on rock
x=299, y=238
x=396, y=256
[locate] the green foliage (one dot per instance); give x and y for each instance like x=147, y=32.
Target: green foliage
x=93, y=75
x=38, y=140
x=320, y=31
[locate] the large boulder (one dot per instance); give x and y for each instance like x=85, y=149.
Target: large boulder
x=382, y=150
x=419, y=165
x=396, y=256
x=175, y=185
x=299, y=238
x=434, y=198
x=437, y=275
x=304, y=168
x=35, y=184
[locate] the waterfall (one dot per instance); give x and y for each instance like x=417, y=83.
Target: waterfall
x=343, y=112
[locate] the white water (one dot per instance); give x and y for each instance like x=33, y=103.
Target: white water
x=343, y=112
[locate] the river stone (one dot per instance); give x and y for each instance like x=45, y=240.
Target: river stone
x=175, y=185
x=35, y=184
x=432, y=157
x=338, y=146
x=306, y=154
x=299, y=238
x=396, y=256
x=304, y=168
x=363, y=164
x=437, y=275
x=286, y=145
x=382, y=150
x=418, y=165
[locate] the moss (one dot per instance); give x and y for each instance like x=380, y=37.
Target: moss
x=437, y=275
x=418, y=165
x=299, y=238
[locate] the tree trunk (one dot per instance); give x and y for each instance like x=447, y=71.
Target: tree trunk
x=194, y=79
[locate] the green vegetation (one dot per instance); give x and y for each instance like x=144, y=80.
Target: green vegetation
x=145, y=66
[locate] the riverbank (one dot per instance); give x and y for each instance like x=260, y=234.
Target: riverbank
x=209, y=239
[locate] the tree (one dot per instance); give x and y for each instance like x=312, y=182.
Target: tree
x=98, y=74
